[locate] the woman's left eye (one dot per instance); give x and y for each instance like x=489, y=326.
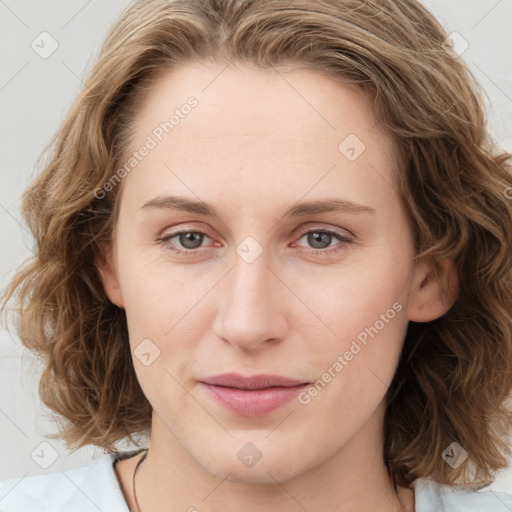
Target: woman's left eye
x=320, y=239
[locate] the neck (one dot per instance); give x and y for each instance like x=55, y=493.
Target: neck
x=354, y=479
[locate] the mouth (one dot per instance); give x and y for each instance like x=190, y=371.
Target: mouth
x=252, y=396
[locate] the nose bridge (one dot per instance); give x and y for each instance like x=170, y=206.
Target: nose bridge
x=250, y=312
x=250, y=276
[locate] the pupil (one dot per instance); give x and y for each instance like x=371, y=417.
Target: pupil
x=192, y=238
x=317, y=237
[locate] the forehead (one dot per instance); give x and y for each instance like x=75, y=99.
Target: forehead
x=250, y=127
x=299, y=102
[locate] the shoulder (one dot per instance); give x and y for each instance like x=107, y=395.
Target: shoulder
x=85, y=489
x=433, y=497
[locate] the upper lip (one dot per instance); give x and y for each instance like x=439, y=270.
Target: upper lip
x=261, y=381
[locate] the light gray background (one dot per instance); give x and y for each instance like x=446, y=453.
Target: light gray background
x=35, y=93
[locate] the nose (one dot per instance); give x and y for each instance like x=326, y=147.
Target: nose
x=252, y=305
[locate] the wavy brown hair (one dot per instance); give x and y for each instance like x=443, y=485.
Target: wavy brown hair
x=455, y=373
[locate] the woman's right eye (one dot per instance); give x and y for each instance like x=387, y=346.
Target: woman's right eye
x=190, y=240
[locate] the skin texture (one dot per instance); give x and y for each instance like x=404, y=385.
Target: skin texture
x=257, y=143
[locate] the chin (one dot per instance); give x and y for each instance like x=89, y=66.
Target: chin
x=261, y=475
x=271, y=466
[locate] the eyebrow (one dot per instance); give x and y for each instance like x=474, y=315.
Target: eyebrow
x=297, y=210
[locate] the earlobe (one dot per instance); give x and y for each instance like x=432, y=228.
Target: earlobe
x=108, y=275
x=435, y=292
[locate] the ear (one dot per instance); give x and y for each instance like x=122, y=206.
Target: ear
x=436, y=288
x=105, y=263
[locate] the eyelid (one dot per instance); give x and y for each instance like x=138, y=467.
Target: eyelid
x=180, y=228
x=333, y=230
x=301, y=231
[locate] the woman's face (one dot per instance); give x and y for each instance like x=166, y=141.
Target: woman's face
x=295, y=260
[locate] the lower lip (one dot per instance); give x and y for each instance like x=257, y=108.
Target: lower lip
x=253, y=402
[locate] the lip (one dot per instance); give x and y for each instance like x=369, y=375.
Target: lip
x=254, y=395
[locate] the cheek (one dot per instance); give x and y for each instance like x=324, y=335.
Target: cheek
x=162, y=316
x=158, y=294
x=363, y=326
x=167, y=318
x=355, y=297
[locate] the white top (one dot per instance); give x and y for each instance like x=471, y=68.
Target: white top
x=95, y=488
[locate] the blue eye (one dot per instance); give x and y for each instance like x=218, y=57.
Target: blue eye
x=188, y=237
x=321, y=237
x=191, y=241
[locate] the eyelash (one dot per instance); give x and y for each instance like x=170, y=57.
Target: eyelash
x=190, y=252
